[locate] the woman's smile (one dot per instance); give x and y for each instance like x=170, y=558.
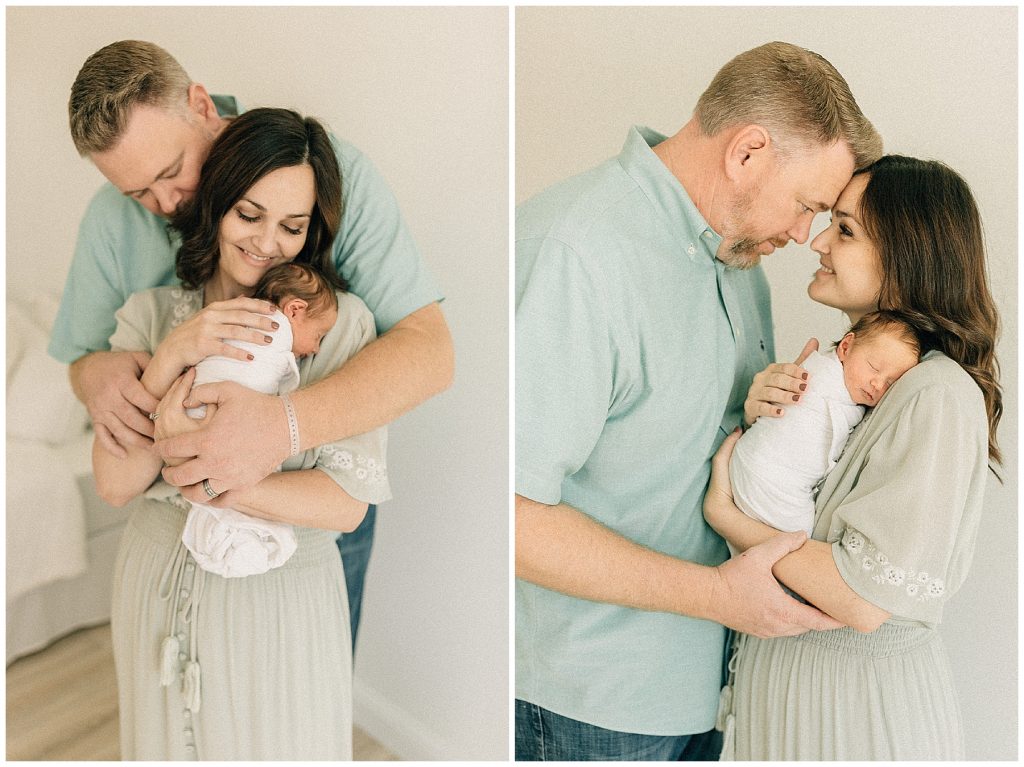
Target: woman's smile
x=258, y=260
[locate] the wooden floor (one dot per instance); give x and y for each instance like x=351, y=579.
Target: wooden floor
x=62, y=704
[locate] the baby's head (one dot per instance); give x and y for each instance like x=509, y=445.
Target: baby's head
x=306, y=298
x=879, y=348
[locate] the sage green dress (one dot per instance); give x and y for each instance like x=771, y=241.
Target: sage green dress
x=254, y=668
x=901, y=510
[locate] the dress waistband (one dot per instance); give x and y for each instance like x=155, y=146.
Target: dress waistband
x=887, y=640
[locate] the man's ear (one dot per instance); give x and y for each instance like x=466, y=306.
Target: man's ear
x=201, y=105
x=747, y=153
x=843, y=347
x=294, y=307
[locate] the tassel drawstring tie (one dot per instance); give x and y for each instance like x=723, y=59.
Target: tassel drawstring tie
x=182, y=626
x=725, y=721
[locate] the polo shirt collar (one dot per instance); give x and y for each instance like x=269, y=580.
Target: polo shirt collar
x=665, y=192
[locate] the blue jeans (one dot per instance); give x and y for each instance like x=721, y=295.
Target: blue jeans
x=355, y=556
x=542, y=735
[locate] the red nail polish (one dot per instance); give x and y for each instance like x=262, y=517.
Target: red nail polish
x=250, y=356
x=804, y=376
x=796, y=397
x=803, y=387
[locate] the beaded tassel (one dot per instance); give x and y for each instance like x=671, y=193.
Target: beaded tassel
x=169, y=650
x=191, y=686
x=724, y=707
x=729, y=740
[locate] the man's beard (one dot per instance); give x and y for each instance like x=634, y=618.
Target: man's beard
x=743, y=253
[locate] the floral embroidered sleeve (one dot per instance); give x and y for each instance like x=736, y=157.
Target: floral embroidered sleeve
x=903, y=536
x=358, y=464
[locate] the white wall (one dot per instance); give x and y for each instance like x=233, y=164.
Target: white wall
x=424, y=93
x=938, y=83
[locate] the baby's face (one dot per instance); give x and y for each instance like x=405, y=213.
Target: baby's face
x=309, y=329
x=872, y=365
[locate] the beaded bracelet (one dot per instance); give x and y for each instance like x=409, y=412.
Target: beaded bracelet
x=293, y=423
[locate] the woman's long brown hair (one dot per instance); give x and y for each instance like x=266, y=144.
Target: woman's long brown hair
x=925, y=224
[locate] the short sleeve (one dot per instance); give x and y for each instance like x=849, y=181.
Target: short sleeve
x=134, y=324
x=374, y=250
x=564, y=368
x=91, y=295
x=121, y=249
x=904, y=535
x=357, y=464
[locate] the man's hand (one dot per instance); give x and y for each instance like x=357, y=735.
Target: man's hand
x=108, y=385
x=748, y=598
x=243, y=442
x=776, y=385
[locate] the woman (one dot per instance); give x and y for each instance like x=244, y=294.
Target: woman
x=259, y=667
x=897, y=518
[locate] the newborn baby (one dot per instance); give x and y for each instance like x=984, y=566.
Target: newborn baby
x=226, y=541
x=779, y=463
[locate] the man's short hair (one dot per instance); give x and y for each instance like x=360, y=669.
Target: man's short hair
x=112, y=82
x=794, y=93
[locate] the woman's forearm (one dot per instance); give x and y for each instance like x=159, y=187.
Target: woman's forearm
x=810, y=571
x=161, y=373
x=306, y=498
x=118, y=480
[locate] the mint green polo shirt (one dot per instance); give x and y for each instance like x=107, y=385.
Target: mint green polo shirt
x=122, y=248
x=635, y=348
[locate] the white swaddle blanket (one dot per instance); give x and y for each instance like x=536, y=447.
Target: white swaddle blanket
x=226, y=541
x=779, y=463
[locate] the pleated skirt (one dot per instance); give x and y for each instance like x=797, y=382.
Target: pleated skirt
x=843, y=695
x=212, y=668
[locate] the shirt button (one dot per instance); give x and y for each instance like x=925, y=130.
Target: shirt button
x=691, y=249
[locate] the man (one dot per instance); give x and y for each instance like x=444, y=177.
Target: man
x=640, y=320
x=148, y=128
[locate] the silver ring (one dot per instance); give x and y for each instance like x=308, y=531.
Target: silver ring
x=209, y=490
x=153, y=416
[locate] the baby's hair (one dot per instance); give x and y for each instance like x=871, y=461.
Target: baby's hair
x=903, y=325
x=297, y=281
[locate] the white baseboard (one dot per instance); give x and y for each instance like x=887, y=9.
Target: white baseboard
x=393, y=727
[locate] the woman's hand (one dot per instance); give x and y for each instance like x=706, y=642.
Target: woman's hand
x=171, y=417
x=778, y=384
x=204, y=333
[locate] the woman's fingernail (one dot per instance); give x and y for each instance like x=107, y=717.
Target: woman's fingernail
x=796, y=397
x=778, y=411
x=803, y=386
x=274, y=325
x=804, y=376
x=268, y=339
x=250, y=356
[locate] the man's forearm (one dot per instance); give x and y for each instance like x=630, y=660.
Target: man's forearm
x=404, y=367
x=561, y=548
